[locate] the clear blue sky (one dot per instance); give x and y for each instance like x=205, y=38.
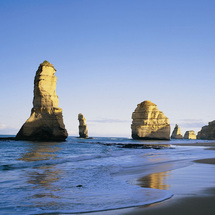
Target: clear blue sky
x=110, y=55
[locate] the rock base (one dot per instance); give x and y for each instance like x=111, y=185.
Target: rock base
x=43, y=125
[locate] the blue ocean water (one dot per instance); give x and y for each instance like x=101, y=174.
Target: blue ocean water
x=83, y=175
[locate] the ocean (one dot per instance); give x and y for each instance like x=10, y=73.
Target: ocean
x=87, y=175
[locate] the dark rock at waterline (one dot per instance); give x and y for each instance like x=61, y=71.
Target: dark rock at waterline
x=207, y=132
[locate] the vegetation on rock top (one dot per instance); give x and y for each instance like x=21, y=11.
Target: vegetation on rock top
x=46, y=63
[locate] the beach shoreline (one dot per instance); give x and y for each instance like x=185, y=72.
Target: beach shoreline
x=195, y=202
x=202, y=144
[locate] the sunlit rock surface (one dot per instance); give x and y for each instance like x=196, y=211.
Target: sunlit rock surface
x=46, y=120
x=149, y=123
x=207, y=132
x=190, y=135
x=176, y=134
x=83, y=132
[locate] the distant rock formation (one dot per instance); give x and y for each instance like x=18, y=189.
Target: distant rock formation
x=176, y=134
x=190, y=135
x=46, y=120
x=83, y=132
x=207, y=132
x=149, y=123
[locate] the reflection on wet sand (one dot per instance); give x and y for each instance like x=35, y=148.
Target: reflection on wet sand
x=156, y=180
x=44, y=176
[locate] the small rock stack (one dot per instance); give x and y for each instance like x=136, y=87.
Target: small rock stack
x=83, y=132
x=176, y=134
x=190, y=135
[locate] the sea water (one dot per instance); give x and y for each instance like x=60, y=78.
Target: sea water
x=84, y=175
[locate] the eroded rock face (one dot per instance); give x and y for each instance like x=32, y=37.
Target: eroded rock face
x=190, y=135
x=46, y=120
x=207, y=132
x=83, y=132
x=176, y=134
x=149, y=123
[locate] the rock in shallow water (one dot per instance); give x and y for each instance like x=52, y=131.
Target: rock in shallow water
x=149, y=123
x=83, y=132
x=46, y=120
x=190, y=135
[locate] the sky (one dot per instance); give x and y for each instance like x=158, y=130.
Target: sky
x=110, y=55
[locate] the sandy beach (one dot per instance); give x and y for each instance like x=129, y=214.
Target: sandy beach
x=198, y=205
x=206, y=161
x=201, y=201
x=193, y=189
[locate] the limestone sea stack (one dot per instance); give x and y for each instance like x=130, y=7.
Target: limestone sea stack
x=149, y=123
x=176, y=134
x=207, y=132
x=190, y=135
x=83, y=132
x=46, y=120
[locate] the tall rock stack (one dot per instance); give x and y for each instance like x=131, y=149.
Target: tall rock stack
x=207, y=132
x=149, y=123
x=176, y=134
x=46, y=120
x=83, y=132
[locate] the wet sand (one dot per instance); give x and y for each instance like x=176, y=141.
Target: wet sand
x=200, y=202
x=206, y=161
x=193, y=189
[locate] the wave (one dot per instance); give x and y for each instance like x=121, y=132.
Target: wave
x=99, y=203
x=48, y=162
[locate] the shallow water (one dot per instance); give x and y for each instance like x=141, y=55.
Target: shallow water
x=84, y=175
